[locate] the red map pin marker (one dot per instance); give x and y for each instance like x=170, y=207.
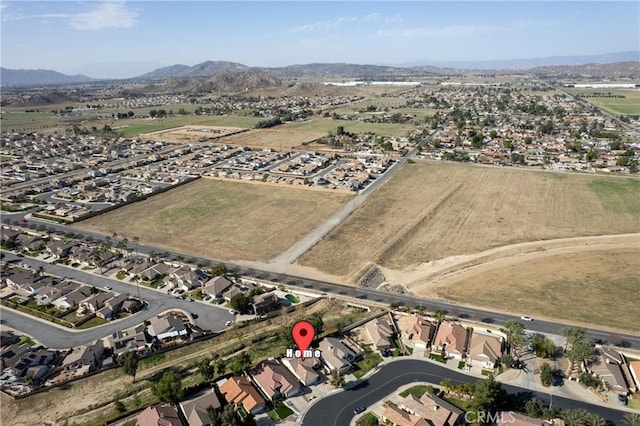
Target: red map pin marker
x=303, y=334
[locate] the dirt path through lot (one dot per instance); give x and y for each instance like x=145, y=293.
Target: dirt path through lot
x=453, y=268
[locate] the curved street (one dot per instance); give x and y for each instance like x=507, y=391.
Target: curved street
x=337, y=409
x=210, y=317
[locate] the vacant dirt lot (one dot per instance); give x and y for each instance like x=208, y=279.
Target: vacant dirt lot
x=222, y=220
x=280, y=137
x=589, y=284
x=189, y=134
x=430, y=211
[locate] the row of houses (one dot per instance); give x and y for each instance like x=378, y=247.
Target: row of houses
x=453, y=340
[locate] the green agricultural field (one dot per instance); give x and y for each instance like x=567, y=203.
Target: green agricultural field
x=628, y=105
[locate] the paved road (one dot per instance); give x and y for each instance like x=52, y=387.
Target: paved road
x=268, y=272
x=337, y=409
x=210, y=317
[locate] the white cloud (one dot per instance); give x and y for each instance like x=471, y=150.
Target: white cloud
x=113, y=14
x=448, y=31
x=337, y=22
x=105, y=15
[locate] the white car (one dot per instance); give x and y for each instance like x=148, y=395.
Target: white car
x=526, y=318
x=233, y=312
x=106, y=287
x=228, y=323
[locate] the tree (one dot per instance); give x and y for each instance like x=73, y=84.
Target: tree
x=129, y=363
x=229, y=416
x=336, y=379
x=578, y=348
x=213, y=415
x=222, y=366
x=488, y=395
x=514, y=331
x=240, y=302
x=543, y=346
x=249, y=420
x=534, y=407
x=240, y=363
x=169, y=388
x=218, y=270
x=577, y=417
x=119, y=406
x=631, y=419
x=205, y=369
x=596, y=420
x=439, y=315
x=546, y=375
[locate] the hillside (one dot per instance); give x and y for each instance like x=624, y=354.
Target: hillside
x=10, y=77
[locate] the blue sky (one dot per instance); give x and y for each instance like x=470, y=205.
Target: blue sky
x=123, y=39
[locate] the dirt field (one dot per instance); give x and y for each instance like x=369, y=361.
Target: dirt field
x=222, y=220
x=190, y=134
x=430, y=211
x=585, y=284
x=280, y=137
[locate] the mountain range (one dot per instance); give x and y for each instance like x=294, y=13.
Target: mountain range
x=578, y=65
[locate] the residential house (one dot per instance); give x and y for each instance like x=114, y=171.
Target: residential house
x=380, y=333
x=485, y=350
x=396, y=416
x=23, y=282
x=304, y=369
x=336, y=355
x=517, y=419
x=195, y=409
x=186, y=278
x=112, y=306
x=634, y=369
x=435, y=410
x=159, y=415
x=72, y=300
x=155, y=271
x=232, y=291
x=94, y=303
x=608, y=366
x=452, y=339
x=216, y=286
x=239, y=390
x=85, y=358
x=131, y=306
x=264, y=303
x=30, y=242
x=129, y=340
x=417, y=330
x=23, y=364
x=59, y=249
x=274, y=380
x=167, y=328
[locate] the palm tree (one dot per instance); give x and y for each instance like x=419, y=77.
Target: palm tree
x=439, y=315
x=631, y=419
x=596, y=420
x=576, y=417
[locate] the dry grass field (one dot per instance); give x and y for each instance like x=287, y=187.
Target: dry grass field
x=587, y=285
x=190, y=134
x=431, y=211
x=281, y=137
x=222, y=220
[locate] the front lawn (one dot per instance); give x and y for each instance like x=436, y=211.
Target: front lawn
x=281, y=412
x=418, y=391
x=370, y=360
x=438, y=358
x=367, y=419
